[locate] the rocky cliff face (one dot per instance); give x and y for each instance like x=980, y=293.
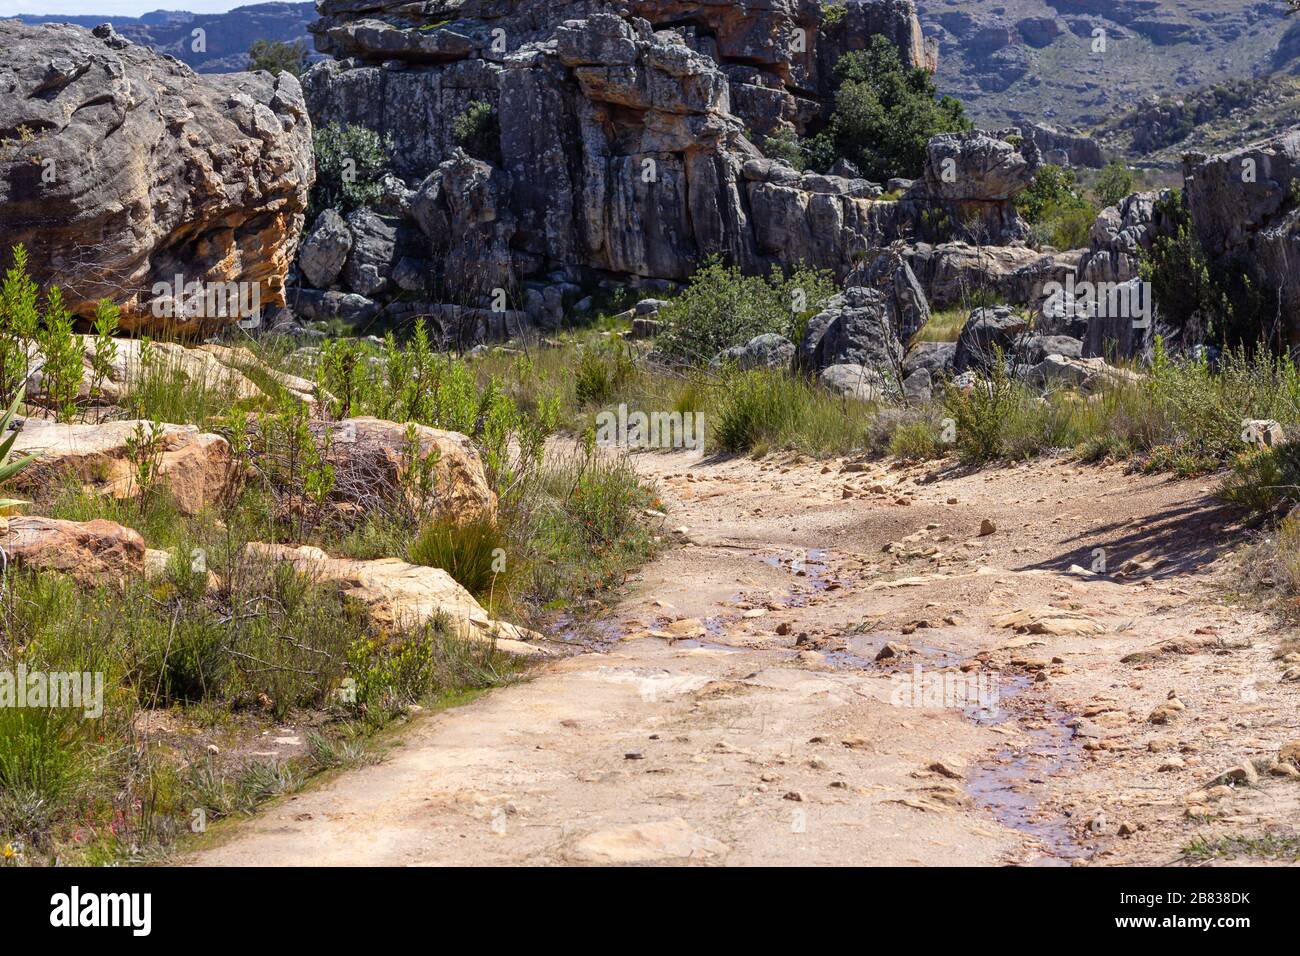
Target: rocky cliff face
x=626, y=141
x=1245, y=208
x=121, y=168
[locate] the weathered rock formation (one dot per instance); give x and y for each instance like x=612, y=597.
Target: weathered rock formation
x=195, y=468
x=1245, y=213
x=1063, y=148
x=92, y=553
x=956, y=273
x=1118, y=238
x=397, y=595
x=623, y=151
x=377, y=452
x=121, y=168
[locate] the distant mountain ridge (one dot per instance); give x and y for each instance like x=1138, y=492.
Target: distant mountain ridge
x=1024, y=60
x=227, y=36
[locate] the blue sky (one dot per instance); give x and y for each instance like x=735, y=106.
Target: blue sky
x=111, y=8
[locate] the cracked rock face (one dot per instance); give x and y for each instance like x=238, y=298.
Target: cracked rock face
x=121, y=168
x=1244, y=212
x=624, y=130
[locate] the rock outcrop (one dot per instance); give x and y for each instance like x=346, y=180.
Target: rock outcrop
x=1063, y=148
x=195, y=468
x=648, y=161
x=121, y=169
x=92, y=553
x=1119, y=237
x=375, y=454
x=1245, y=213
x=955, y=273
x=398, y=595
x=859, y=328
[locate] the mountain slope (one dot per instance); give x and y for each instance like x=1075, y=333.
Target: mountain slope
x=227, y=36
x=1013, y=60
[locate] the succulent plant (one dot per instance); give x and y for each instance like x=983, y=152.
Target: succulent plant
x=10, y=468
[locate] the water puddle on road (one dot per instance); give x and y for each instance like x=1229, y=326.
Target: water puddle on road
x=1002, y=783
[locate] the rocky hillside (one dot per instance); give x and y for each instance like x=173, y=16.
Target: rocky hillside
x=648, y=162
x=1014, y=60
x=227, y=35
x=121, y=168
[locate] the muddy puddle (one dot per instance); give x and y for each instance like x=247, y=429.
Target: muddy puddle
x=1003, y=784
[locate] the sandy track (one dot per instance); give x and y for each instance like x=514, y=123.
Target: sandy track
x=738, y=714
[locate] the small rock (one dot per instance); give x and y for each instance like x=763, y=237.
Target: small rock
x=945, y=770
x=1243, y=773
x=987, y=528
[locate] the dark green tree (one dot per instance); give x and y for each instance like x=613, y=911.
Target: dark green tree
x=1114, y=184
x=276, y=57
x=885, y=114
x=350, y=162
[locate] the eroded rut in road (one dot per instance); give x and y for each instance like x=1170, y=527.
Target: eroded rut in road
x=835, y=666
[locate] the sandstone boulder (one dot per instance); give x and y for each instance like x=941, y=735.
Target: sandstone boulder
x=890, y=274
x=372, y=454
x=986, y=333
x=857, y=328
x=325, y=250
x=93, y=553
x=955, y=273
x=1087, y=374
x=854, y=381
x=935, y=357
x=762, y=351
x=399, y=595
x=196, y=468
x=134, y=170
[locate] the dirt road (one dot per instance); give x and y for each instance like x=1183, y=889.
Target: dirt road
x=781, y=689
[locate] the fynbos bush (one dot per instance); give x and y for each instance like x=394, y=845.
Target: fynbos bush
x=722, y=307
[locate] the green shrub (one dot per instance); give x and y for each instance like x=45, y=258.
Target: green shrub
x=1052, y=185
x=786, y=146
x=473, y=552
x=765, y=409
x=917, y=441
x=1263, y=481
x=885, y=114
x=1065, y=225
x=722, y=307
x=478, y=132
x=597, y=381
x=350, y=164
x=20, y=319
x=276, y=57
x=1114, y=184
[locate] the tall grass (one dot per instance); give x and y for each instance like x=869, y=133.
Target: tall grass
x=766, y=409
